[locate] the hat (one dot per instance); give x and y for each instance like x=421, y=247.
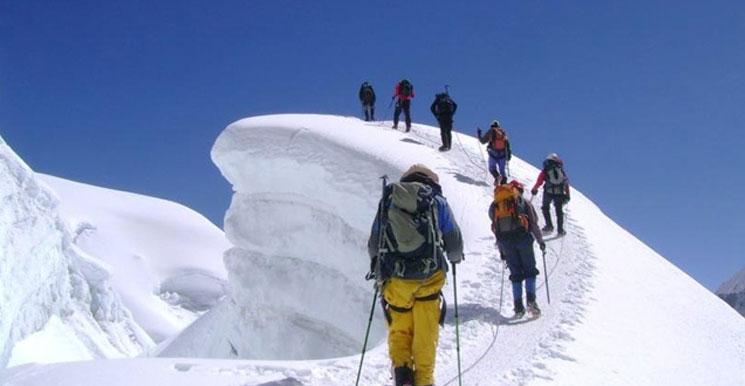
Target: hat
x=553, y=157
x=495, y=123
x=516, y=184
x=419, y=168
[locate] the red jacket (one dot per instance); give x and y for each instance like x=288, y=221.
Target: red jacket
x=402, y=97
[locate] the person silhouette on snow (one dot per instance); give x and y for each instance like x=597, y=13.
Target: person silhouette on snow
x=443, y=108
x=499, y=150
x=367, y=98
x=403, y=93
x=556, y=190
x=515, y=226
x=412, y=280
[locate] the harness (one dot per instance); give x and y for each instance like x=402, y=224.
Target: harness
x=387, y=307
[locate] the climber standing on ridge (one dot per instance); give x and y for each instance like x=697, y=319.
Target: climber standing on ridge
x=556, y=190
x=443, y=108
x=515, y=225
x=367, y=98
x=499, y=150
x=418, y=233
x=403, y=94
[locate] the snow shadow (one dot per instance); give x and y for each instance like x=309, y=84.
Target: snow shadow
x=468, y=180
x=284, y=382
x=473, y=311
x=409, y=140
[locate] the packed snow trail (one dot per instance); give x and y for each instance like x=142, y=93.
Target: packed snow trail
x=299, y=178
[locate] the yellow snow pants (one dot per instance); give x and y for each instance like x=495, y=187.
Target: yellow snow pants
x=413, y=335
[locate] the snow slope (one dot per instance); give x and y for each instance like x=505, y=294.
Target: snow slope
x=47, y=283
x=88, y=272
x=733, y=291
x=306, y=187
x=167, y=259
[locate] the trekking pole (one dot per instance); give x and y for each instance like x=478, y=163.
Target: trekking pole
x=367, y=334
x=376, y=273
x=457, y=330
x=545, y=276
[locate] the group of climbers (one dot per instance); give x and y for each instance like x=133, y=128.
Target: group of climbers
x=443, y=108
x=415, y=233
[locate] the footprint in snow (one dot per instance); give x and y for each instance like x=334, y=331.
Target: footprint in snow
x=183, y=366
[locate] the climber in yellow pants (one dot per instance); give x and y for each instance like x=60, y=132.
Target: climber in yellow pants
x=412, y=239
x=414, y=311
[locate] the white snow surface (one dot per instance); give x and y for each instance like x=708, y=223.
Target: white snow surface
x=87, y=272
x=48, y=283
x=166, y=258
x=306, y=188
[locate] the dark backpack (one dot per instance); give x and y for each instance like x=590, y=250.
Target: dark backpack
x=445, y=105
x=412, y=239
x=367, y=94
x=555, y=177
x=405, y=88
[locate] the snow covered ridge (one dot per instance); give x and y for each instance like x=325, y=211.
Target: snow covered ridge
x=45, y=278
x=733, y=292
x=306, y=187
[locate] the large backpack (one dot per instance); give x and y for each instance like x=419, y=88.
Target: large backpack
x=510, y=215
x=405, y=88
x=367, y=94
x=412, y=239
x=555, y=177
x=444, y=105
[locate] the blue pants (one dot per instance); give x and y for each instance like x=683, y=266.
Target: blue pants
x=497, y=159
x=520, y=258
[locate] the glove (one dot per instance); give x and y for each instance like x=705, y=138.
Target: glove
x=534, y=191
x=566, y=199
x=542, y=245
x=456, y=258
x=373, y=265
x=478, y=132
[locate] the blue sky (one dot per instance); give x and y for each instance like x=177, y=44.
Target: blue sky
x=644, y=100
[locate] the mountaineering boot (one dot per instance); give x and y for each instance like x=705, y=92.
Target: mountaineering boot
x=519, y=309
x=548, y=228
x=443, y=148
x=533, y=306
x=562, y=232
x=404, y=376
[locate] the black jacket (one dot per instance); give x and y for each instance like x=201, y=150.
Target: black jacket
x=435, y=108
